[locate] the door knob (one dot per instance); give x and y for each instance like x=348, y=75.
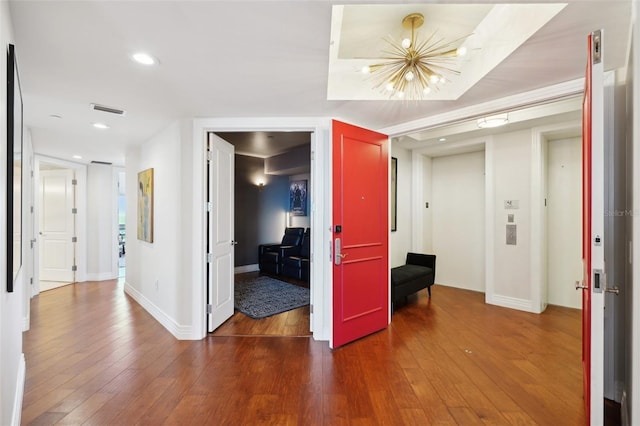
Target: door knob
x=234, y=243
x=615, y=290
x=579, y=286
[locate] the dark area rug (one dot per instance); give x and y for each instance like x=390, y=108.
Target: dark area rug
x=263, y=297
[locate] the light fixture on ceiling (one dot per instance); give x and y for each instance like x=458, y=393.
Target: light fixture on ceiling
x=77, y=157
x=144, y=58
x=442, y=140
x=493, y=121
x=101, y=126
x=414, y=68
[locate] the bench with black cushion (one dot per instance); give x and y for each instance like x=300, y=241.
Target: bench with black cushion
x=270, y=255
x=296, y=265
x=417, y=273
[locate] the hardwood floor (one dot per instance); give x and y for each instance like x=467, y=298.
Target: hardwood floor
x=291, y=323
x=94, y=356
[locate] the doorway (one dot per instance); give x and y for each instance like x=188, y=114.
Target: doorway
x=122, y=220
x=266, y=164
x=56, y=226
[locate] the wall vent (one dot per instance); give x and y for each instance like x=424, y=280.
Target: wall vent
x=106, y=163
x=110, y=110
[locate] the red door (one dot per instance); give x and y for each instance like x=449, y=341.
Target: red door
x=360, y=233
x=593, y=238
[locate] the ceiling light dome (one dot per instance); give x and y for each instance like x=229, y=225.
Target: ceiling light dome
x=493, y=121
x=144, y=58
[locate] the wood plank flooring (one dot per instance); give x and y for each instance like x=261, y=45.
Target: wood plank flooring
x=291, y=323
x=95, y=357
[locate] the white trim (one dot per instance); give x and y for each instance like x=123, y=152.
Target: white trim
x=19, y=395
x=246, y=268
x=490, y=218
x=26, y=322
x=321, y=276
x=513, y=303
x=634, y=374
x=101, y=276
x=181, y=332
x=508, y=103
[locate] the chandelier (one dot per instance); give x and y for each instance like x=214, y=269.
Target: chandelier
x=414, y=68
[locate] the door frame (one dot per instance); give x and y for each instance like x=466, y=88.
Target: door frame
x=320, y=283
x=81, y=217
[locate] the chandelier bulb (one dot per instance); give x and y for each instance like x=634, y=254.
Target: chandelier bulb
x=434, y=78
x=366, y=69
x=461, y=51
x=409, y=76
x=426, y=90
x=400, y=94
x=389, y=87
x=406, y=43
x=442, y=79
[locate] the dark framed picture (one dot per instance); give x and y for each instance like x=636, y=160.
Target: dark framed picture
x=298, y=198
x=394, y=194
x=14, y=169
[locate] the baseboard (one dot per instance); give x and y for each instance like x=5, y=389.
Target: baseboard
x=181, y=332
x=246, y=268
x=26, y=323
x=17, y=402
x=101, y=276
x=512, y=303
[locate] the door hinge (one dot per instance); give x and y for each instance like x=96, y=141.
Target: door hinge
x=31, y=209
x=31, y=280
x=311, y=309
x=597, y=47
x=74, y=181
x=209, y=155
x=209, y=258
x=31, y=173
x=209, y=206
x=74, y=210
x=74, y=239
x=74, y=268
x=209, y=309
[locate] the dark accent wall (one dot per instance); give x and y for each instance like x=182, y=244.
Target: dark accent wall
x=259, y=214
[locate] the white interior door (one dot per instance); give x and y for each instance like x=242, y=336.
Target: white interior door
x=220, y=262
x=56, y=225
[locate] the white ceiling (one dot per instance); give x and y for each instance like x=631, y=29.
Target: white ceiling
x=242, y=59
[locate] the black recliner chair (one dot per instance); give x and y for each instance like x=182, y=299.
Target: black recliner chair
x=270, y=255
x=296, y=265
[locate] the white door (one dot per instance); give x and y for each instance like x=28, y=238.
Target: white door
x=220, y=262
x=56, y=225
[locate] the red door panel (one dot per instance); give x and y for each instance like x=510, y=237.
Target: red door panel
x=360, y=225
x=586, y=233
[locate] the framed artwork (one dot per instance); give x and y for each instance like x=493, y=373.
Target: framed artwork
x=145, y=205
x=14, y=169
x=298, y=198
x=394, y=194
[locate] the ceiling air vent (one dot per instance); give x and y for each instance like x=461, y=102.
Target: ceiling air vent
x=110, y=110
x=106, y=163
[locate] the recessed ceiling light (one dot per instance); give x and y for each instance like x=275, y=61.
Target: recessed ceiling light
x=442, y=140
x=144, y=58
x=78, y=157
x=55, y=116
x=100, y=126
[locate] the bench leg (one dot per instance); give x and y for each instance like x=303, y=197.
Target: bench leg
x=429, y=290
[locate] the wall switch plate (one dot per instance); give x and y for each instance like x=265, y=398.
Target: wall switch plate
x=511, y=204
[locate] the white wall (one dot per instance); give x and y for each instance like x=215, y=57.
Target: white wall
x=426, y=213
x=458, y=227
x=564, y=222
x=400, y=240
x=11, y=304
x=157, y=274
x=102, y=210
x=510, y=156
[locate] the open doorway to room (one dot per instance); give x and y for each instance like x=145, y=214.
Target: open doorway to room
x=272, y=201
x=122, y=232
